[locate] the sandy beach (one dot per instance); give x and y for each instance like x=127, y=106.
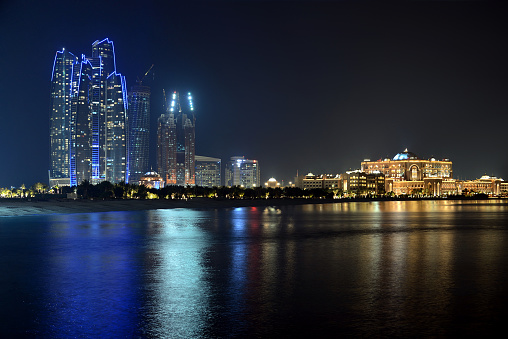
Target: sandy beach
x=11, y=208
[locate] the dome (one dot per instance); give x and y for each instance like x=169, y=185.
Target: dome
x=406, y=155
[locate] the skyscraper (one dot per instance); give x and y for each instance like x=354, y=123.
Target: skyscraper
x=176, y=142
x=60, y=120
x=243, y=172
x=88, y=118
x=139, y=131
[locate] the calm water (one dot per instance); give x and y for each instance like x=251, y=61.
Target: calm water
x=393, y=269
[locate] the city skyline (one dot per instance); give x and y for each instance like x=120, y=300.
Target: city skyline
x=308, y=87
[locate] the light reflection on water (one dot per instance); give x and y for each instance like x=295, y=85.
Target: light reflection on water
x=426, y=268
x=176, y=293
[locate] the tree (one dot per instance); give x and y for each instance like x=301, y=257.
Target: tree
x=39, y=187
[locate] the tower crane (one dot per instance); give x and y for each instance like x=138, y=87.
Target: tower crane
x=140, y=81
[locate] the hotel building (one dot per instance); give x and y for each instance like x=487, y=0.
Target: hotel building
x=406, y=173
x=88, y=118
x=176, y=142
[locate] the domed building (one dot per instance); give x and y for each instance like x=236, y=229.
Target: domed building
x=272, y=183
x=406, y=173
x=409, y=167
x=152, y=180
x=406, y=155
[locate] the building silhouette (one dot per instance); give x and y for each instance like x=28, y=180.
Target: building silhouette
x=176, y=142
x=88, y=118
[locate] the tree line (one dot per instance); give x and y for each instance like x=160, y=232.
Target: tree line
x=122, y=190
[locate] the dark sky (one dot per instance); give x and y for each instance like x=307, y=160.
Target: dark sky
x=307, y=86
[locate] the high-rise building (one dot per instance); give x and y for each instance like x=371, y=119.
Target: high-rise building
x=60, y=120
x=208, y=171
x=139, y=131
x=176, y=142
x=88, y=118
x=242, y=172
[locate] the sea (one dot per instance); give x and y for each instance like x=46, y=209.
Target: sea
x=351, y=269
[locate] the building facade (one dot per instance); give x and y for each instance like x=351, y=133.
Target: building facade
x=242, y=172
x=407, y=174
x=323, y=181
x=62, y=86
x=408, y=167
x=362, y=183
x=208, y=171
x=88, y=118
x=176, y=142
x=151, y=180
x=139, y=132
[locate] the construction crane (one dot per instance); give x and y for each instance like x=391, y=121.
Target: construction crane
x=140, y=81
x=165, y=101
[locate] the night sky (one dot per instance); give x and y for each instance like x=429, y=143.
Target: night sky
x=307, y=86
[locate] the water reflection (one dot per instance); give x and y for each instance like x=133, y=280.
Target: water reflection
x=407, y=268
x=176, y=291
x=89, y=285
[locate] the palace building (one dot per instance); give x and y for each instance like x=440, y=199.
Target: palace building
x=408, y=167
x=406, y=173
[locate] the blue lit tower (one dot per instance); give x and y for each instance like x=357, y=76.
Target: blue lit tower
x=176, y=142
x=60, y=117
x=108, y=115
x=97, y=116
x=81, y=125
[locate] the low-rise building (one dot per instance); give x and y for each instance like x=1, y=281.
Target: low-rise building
x=361, y=183
x=152, y=180
x=323, y=181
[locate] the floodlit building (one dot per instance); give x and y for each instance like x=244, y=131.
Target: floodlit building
x=151, y=180
x=176, y=142
x=272, y=183
x=208, y=171
x=88, y=118
x=486, y=185
x=323, y=181
x=407, y=166
x=242, y=172
x=362, y=183
x=407, y=174
x=139, y=131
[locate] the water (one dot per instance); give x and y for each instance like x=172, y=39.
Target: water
x=392, y=269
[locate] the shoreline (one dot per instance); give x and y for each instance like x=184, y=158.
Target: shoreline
x=15, y=207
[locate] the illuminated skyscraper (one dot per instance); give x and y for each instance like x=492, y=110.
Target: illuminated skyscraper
x=176, y=142
x=139, y=130
x=95, y=119
x=60, y=120
x=243, y=172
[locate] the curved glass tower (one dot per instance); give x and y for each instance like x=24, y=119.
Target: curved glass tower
x=139, y=131
x=88, y=118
